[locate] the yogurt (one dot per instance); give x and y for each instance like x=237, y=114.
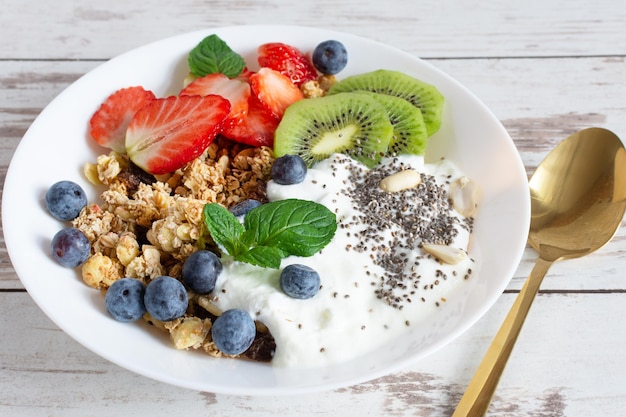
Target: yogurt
x=376, y=280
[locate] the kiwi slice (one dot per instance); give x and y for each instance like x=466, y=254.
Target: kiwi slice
x=354, y=124
x=409, y=130
x=394, y=83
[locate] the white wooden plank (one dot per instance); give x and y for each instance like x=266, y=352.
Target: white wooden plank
x=541, y=101
x=26, y=87
x=565, y=363
x=76, y=29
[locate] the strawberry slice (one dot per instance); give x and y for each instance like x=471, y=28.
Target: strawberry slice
x=169, y=132
x=256, y=128
x=274, y=90
x=108, y=124
x=287, y=60
x=234, y=90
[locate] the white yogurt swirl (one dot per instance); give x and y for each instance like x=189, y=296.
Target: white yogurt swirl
x=376, y=279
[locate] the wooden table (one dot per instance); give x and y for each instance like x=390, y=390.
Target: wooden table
x=546, y=68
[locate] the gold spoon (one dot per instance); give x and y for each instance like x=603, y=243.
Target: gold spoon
x=578, y=200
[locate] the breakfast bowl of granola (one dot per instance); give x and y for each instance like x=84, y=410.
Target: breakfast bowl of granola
x=265, y=210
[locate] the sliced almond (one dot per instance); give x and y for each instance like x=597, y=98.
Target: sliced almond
x=402, y=180
x=464, y=196
x=445, y=253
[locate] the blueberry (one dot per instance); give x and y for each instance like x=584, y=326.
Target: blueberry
x=330, y=57
x=233, y=332
x=65, y=200
x=70, y=247
x=166, y=298
x=289, y=169
x=200, y=271
x=124, y=299
x=242, y=208
x=299, y=281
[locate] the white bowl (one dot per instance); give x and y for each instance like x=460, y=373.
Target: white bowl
x=57, y=145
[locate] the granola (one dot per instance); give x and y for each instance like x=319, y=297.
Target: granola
x=147, y=226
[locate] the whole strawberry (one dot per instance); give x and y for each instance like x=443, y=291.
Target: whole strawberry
x=287, y=60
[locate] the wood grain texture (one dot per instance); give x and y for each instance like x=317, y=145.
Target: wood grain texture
x=77, y=29
x=545, y=68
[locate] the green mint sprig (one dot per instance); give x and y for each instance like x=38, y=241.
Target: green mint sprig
x=212, y=55
x=272, y=231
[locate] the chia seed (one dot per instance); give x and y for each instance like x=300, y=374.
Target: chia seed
x=402, y=221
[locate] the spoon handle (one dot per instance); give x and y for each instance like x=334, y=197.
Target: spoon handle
x=477, y=397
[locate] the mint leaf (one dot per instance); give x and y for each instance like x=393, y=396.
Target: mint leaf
x=272, y=231
x=224, y=228
x=297, y=227
x=264, y=256
x=212, y=55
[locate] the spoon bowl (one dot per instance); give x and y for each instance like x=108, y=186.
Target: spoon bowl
x=577, y=195
x=578, y=200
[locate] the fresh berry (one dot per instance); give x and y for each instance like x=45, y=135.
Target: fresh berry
x=330, y=57
x=124, y=299
x=299, y=281
x=169, y=132
x=70, y=247
x=242, y=208
x=166, y=298
x=287, y=60
x=200, y=271
x=256, y=128
x=274, y=90
x=233, y=332
x=288, y=169
x=108, y=124
x=236, y=91
x=65, y=200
